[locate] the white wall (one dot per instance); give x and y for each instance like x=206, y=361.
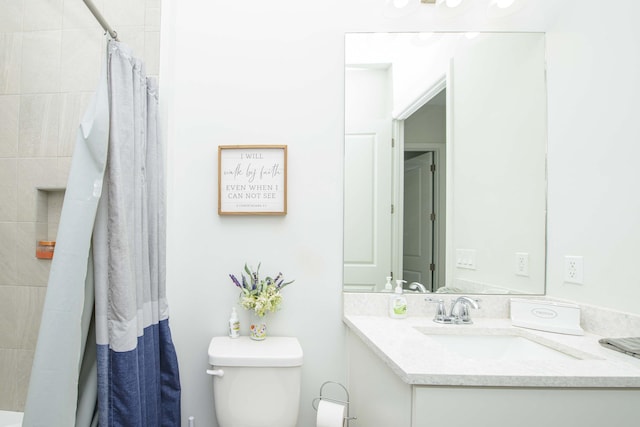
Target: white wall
x=272, y=72
x=497, y=162
x=594, y=152
x=428, y=124
x=249, y=73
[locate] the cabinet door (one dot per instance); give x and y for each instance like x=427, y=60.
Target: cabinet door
x=524, y=407
x=379, y=398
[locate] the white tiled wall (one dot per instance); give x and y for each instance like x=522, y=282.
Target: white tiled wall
x=50, y=60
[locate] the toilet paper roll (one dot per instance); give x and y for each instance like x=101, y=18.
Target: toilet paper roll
x=330, y=414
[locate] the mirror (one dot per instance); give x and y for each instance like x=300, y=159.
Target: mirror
x=445, y=162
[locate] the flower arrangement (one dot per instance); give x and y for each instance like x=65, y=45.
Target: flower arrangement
x=260, y=295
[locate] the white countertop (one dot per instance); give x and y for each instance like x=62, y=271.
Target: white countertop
x=418, y=360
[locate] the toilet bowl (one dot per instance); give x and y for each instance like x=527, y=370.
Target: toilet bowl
x=256, y=383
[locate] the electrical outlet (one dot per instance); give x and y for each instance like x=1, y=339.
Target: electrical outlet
x=522, y=264
x=573, y=269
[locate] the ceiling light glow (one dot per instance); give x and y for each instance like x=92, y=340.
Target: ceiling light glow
x=453, y=3
x=399, y=4
x=503, y=4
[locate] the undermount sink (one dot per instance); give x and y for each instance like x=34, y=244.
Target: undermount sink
x=505, y=345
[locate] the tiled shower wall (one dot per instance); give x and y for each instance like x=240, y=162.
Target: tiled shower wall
x=51, y=55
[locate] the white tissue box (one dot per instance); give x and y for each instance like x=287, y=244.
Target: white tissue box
x=547, y=316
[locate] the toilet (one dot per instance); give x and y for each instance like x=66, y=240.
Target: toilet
x=256, y=383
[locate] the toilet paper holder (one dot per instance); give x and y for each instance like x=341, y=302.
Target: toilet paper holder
x=317, y=400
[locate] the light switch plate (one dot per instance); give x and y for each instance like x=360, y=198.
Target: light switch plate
x=466, y=258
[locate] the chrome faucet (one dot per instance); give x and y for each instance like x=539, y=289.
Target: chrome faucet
x=459, y=312
x=415, y=286
x=460, y=309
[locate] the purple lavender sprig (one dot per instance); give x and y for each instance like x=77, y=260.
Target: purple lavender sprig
x=235, y=281
x=279, y=281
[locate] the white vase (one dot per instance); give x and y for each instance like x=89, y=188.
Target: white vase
x=258, y=327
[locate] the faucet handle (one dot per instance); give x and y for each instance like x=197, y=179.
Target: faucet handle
x=464, y=313
x=441, y=311
x=460, y=309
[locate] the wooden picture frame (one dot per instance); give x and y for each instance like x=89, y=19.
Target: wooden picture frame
x=252, y=180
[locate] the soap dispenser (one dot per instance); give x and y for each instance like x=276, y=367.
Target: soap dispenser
x=397, y=302
x=234, y=324
x=388, y=287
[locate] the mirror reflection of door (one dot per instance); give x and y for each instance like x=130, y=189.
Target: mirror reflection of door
x=422, y=141
x=418, y=219
x=367, y=179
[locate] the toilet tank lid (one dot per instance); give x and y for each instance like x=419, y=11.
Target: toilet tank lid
x=242, y=351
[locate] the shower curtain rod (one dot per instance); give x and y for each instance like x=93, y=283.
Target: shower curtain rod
x=103, y=22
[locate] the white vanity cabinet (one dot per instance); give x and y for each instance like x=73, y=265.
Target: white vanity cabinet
x=524, y=406
x=378, y=396
x=382, y=396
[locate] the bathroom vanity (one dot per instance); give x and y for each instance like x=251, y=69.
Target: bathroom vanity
x=414, y=372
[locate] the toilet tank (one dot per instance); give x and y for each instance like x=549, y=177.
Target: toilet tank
x=260, y=381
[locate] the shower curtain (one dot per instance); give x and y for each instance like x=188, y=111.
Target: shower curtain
x=104, y=354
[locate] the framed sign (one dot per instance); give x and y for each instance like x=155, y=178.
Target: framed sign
x=252, y=180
